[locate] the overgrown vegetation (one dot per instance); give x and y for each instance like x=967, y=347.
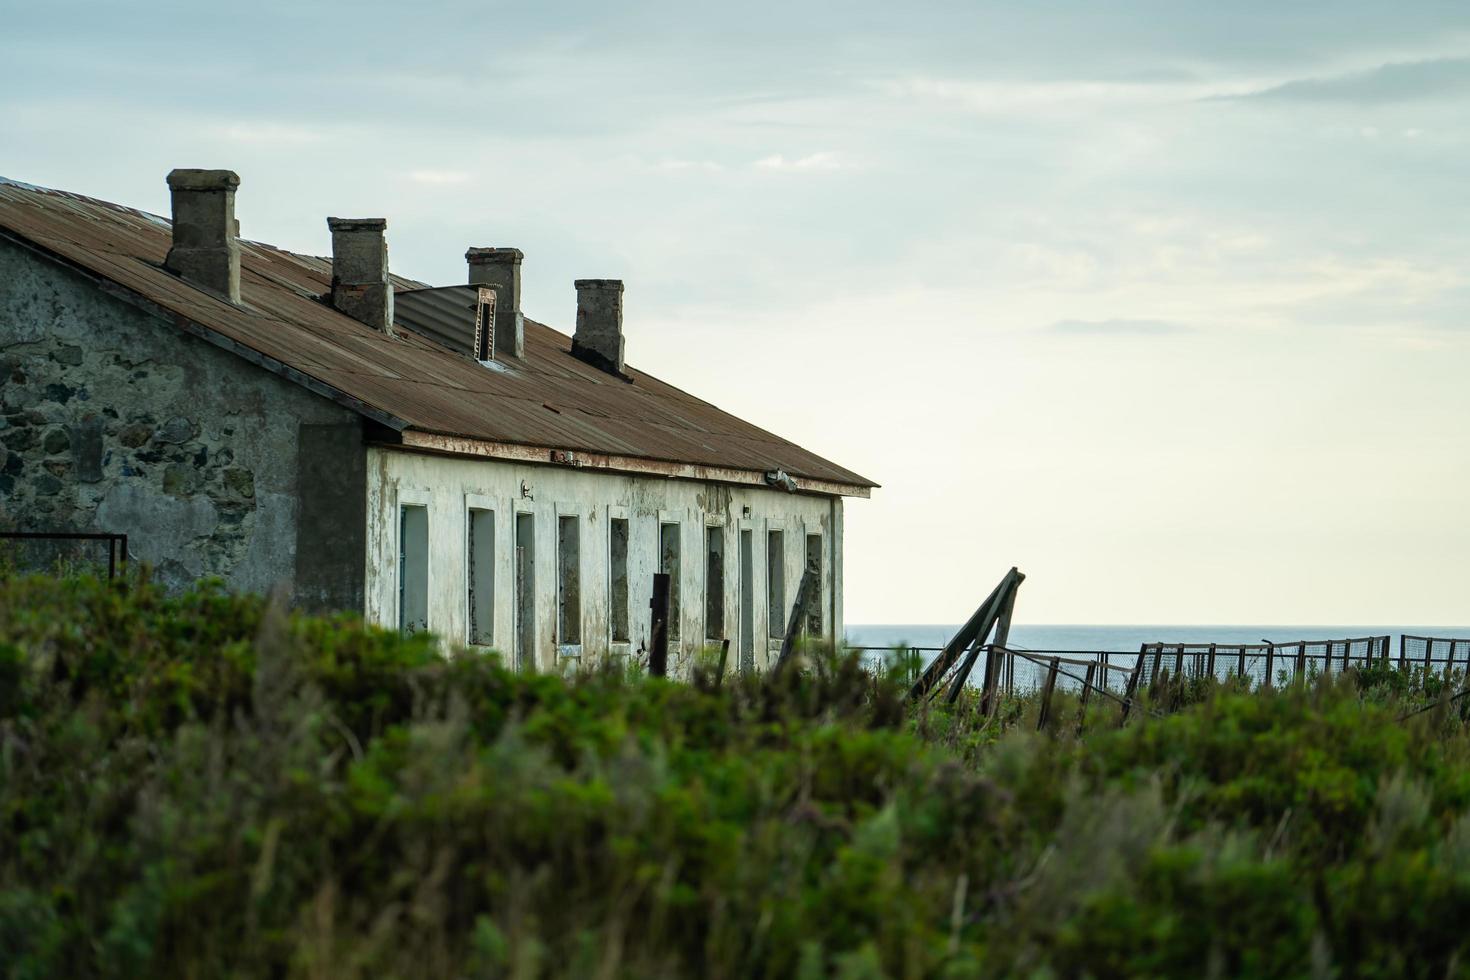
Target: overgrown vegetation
x=202, y=786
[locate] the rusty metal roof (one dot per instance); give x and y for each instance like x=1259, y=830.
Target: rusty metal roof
x=549, y=399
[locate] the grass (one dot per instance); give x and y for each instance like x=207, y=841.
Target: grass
x=203, y=785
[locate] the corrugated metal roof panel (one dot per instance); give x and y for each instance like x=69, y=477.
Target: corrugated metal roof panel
x=548, y=398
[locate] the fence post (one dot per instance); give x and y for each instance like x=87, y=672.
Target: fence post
x=658, y=645
x=1240, y=663
x=797, y=622
x=1131, y=688
x=1270, y=665
x=1301, y=662
x=1047, y=688
x=1212, y=661
x=1403, y=651
x=1086, y=694
x=992, y=680
x=724, y=656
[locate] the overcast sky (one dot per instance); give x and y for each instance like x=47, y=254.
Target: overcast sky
x=1167, y=303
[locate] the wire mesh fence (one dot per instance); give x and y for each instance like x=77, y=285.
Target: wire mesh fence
x=1437, y=655
x=1265, y=664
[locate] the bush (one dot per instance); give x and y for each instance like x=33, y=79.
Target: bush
x=204, y=785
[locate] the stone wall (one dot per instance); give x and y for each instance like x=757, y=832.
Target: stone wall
x=114, y=420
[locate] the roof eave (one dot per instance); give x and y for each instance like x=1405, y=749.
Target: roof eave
x=434, y=442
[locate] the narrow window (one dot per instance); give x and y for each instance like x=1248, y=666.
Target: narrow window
x=747, y=600
x=814, y=602
x=480, y=584
x=668, y=563
x=776, y=584
x=714, y=583
x=525, y=591
x=568, y=581
x=413, y=569
x=618, y=591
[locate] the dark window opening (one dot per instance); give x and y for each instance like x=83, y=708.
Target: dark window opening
x=668, y=563
x=814, y=601
x=569, y=581
x=618, y=591
x=776, y=584
x=480, y=584
x=714, y=583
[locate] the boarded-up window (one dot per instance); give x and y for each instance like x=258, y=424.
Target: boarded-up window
x=480, y=579
x=568, y=581
x=814, y=601
x=714, y=583
x=747, y=601
x=525, y=591
x=413, y=569
x=776, y=584
x=668, y=563
x=618, y=582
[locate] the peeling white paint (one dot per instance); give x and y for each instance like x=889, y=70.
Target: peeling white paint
x=449, y=486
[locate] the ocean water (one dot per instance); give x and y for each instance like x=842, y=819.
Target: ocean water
x=1125, y=640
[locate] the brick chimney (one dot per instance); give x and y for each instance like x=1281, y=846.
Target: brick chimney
x=360, y=286
x=500, y=269
x=599, y=336
x=206, y=246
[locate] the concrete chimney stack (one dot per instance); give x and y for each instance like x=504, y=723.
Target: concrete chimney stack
x=360, y=286
x=206, y=245
x=500, y=269
x=599, y=336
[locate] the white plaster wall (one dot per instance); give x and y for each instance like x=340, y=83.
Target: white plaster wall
x=449, y=486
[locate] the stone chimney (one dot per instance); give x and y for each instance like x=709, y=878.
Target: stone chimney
x=500, y=269
x=360, y=286
x=206, y=246
x=599, y=336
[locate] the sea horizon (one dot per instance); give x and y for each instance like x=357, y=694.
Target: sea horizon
x=1126, y=638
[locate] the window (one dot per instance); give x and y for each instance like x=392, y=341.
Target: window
x=814, y=602
x=668, y=563
x=568, y=580
x=618, y=584
x=747, y=600
x=413, y=568
x=714, y=583
x=525, y=591
x=776, y=584
x=480, y=579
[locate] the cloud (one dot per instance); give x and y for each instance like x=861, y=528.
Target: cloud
x=1395, y=82
x=439, y=177
x=811, y=163
x=268, y=134
x=675, y=166
x=1116, y=328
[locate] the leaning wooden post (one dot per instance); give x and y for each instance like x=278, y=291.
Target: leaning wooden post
x=1131, y=689
x=1086, y=694
x=1270, y=664
x=1047, y=688
x=1403, y=651
x=1301, y=662
x=797, y=622
x=658, y=645
x=993, y=655
x=724, y=658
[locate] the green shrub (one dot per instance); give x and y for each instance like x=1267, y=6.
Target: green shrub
x=203, y=785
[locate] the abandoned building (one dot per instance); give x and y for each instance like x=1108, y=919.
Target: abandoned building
x=426, y=455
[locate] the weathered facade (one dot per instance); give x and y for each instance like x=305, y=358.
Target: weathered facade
x=268, y=418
